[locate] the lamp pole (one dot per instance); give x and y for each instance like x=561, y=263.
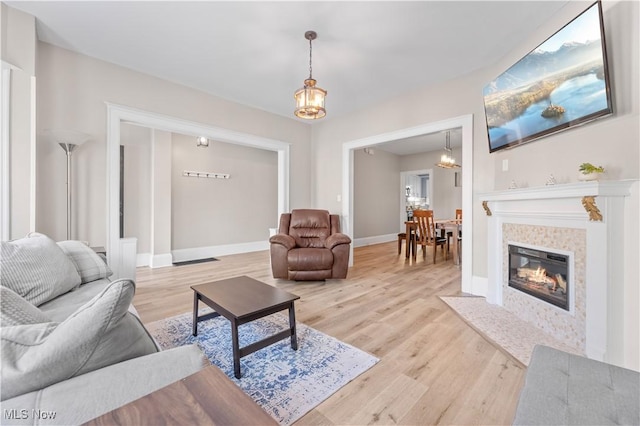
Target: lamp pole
x=68, y=149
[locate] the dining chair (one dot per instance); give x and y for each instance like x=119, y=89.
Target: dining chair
x=426, y=233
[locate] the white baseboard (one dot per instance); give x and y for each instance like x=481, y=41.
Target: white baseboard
x=184, y=255
x=161, y=260
x=479, y=286
x=378, y=239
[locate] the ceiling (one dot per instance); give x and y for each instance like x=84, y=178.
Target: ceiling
x=255, y=53
x=422, y=143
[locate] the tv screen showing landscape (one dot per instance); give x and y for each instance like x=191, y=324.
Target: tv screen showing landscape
x=562, y=83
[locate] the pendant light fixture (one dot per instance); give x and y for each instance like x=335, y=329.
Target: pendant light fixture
x=446, y=160
x=310, y=98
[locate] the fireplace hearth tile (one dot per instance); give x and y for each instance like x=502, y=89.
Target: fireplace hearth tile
x=504, y=329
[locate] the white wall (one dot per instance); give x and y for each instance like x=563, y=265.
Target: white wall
x=161, y=198
x=189, y=212
x=18, y=39
x=375, y=204
x=213, y=212
x=19, y=53
x=137, y=184
x=72, y=91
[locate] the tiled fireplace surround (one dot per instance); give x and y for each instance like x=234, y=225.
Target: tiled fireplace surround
x=585, y=219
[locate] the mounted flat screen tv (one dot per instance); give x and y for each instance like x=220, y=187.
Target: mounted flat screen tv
x=562, y=83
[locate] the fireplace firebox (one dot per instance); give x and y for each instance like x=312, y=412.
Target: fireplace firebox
x=541, y=274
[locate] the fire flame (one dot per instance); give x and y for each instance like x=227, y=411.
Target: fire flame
x=540, y=275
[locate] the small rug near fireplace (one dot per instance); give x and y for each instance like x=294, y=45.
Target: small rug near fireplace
x=286, y=383
x=502, y=328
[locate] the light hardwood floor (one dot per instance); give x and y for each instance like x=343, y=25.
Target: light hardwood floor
x=433, y=369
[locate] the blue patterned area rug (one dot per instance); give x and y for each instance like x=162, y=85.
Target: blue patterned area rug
x=285, y=383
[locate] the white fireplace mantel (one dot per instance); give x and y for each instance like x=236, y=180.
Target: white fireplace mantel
x=619, y=188
x=598, y=209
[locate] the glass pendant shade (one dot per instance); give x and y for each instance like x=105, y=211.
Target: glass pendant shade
x=310, y=101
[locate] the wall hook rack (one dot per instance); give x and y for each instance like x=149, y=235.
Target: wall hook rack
x=211, y=175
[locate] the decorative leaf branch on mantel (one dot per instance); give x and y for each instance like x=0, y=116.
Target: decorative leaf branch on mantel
x=589, y=204
x=485, y=206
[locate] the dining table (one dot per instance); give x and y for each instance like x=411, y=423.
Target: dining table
x=454, y=226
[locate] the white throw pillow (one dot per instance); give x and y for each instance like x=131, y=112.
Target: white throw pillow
x=99, y=333
x=89, y=265
x=16, y=310
x=36, y=268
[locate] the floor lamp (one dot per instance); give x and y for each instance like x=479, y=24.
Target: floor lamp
x=69, y=141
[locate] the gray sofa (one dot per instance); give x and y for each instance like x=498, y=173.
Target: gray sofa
x=566, y=389
x=72, y=343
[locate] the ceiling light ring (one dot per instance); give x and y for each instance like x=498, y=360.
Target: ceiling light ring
x=202, y=142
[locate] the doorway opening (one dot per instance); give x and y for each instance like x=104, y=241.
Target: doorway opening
x=464, y=122
x=118, y=114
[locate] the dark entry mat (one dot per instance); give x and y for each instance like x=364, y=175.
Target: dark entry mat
x=193, y=262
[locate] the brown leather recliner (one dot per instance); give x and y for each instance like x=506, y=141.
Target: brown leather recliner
x=309, y=247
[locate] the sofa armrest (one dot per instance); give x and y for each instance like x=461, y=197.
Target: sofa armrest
x=284, y=240
x=99, y=333
x=336, y=239
x=82, y=398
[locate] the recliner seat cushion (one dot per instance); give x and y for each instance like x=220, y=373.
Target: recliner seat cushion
x=310, y=259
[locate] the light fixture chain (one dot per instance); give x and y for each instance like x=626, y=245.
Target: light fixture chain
x=310, y=55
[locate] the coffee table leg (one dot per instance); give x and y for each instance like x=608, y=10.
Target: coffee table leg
x=292, y=325
x=195, y=314
x=236, y=349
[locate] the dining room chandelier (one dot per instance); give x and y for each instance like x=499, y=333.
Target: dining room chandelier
x=310, y=98
x=446, y=160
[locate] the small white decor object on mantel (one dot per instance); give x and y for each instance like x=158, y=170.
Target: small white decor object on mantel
x=513, y=185
x=551, y=180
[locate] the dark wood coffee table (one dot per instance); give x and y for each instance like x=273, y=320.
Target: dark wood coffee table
x=242, y=300
x=207, y=397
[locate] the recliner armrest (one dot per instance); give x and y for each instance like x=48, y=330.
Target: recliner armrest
x=284, y=240
x=336, y=239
